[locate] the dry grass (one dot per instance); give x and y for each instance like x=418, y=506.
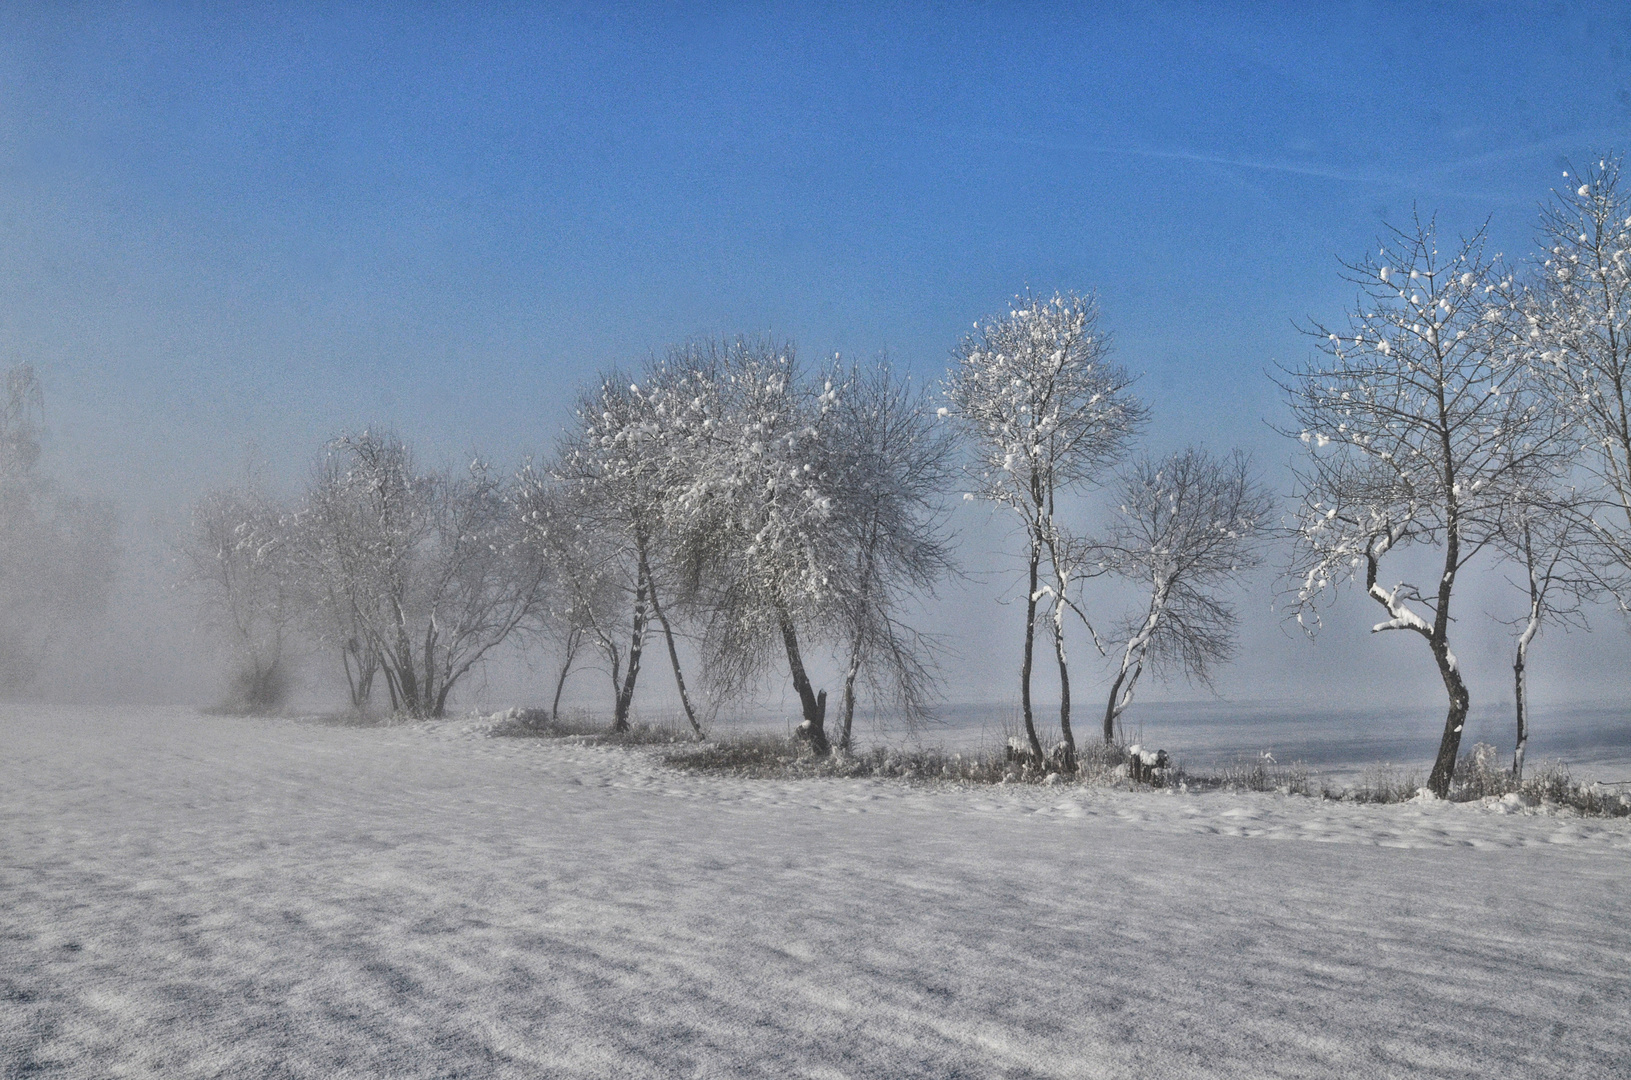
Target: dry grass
x=584, y=727
x=772, y=756
x=1261, y=773
x=767, y=756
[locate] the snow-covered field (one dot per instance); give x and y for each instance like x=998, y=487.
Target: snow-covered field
x=188, y=896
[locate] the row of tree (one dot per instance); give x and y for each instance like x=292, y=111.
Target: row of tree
x=762, y=512
x=758, y=512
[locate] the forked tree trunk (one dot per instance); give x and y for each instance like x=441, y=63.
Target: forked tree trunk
x=1132, y=657
x=1126, y=680
x=614, y=657
x=407, y=679
x=673, y=651
x=574, y=641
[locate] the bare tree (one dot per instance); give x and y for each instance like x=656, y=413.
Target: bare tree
x=1188, y=525
x=1419, y=425
x=433, y=567
x=895, y=467
x=58, y=553
x=1047, y=413
x=240, y=557
x=1579, y=329
x=587, y=601
x=1544, y=534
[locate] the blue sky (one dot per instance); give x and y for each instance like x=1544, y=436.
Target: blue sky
x=250, y=228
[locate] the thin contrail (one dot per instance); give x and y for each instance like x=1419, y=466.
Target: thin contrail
x=1424, y=177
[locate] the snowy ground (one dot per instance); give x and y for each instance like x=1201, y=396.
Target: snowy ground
x=186, y=896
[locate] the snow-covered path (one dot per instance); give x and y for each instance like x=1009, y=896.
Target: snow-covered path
x=186, y=896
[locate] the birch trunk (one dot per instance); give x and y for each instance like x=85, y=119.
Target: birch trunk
x=637, y=642
x=1030, y=650
x=1520, y=662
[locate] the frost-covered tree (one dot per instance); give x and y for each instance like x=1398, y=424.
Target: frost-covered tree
x=763, y=542
x=58, y=553
x=621, y=466
x=1579, y=328
x=241, y=559
x=434, y=568
x=1048, y=414
x=1187, y=526
x=1545, y=536
x=895, y=466
x=1419, y=424
x=585, y=607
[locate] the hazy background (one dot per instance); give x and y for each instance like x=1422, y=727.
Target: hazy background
x=227, y=235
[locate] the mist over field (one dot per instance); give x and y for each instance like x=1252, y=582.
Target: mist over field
x=872, y=541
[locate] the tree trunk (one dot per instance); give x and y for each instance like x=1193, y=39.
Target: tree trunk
x=1438, y=782
x=854, y=669
x=359, y=682
x=407, y=681
x=1520, y=679
x=1520, y=676
x=432, y=697
x=614, y=657
x=1030, y=651
x=1067, y=763
x=625, y=695
x=390, y=685
x=574, y=640
x=673, y=655
x=1126, y=682
x=1110, y=710
x=814, y=706
x=1520, y=691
